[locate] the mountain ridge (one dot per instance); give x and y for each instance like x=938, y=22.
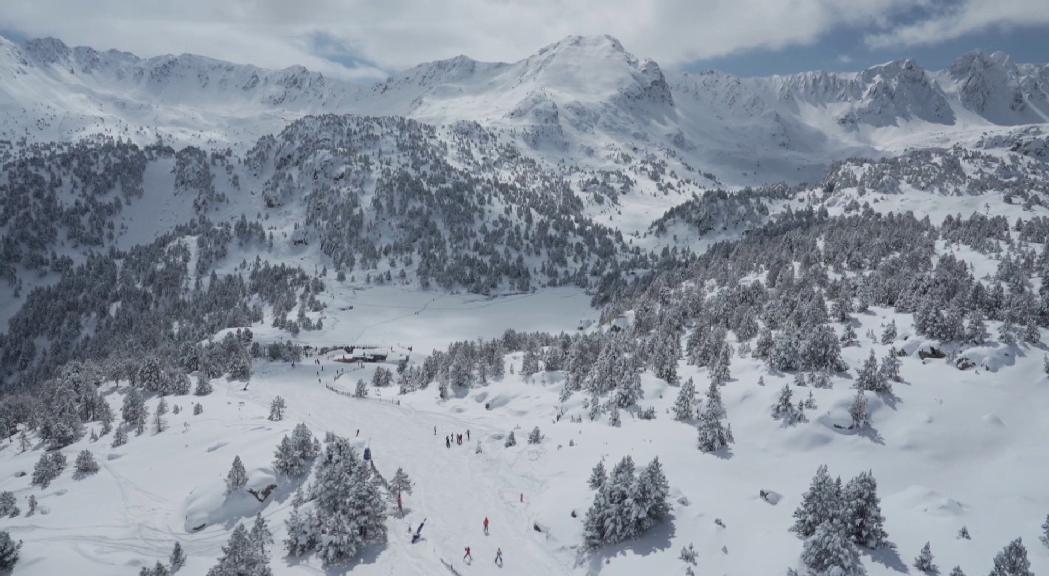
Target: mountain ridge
x=581, y=97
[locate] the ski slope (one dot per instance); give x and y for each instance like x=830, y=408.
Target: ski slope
x=952, y=449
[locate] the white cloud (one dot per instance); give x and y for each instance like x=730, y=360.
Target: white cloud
x=398, y=33
x=962, y=18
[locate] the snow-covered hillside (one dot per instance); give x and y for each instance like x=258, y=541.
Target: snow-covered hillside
x=503, y=279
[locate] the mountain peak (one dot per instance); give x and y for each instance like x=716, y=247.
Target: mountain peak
x=46, y=50
x=595, y=42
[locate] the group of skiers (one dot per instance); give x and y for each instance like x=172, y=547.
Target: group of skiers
x=468, y=557
x=453, y=438
x=458, y=438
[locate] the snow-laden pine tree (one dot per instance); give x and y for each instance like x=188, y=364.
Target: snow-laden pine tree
x=120, y=437
x=529, y=363
x=400, y=484
x=648, y=498
x=361, y=389
x=606, y=521
x=158, y=415
x=829, y=552
x=535, y=436
x=301, y=537
x=888, y=335
x=666, y=352
x=157, y=569
x=957, y=571
x=820, y=503
x=869, y=377
x=713, y=435
x=177, y=559
x=976, y=328
x=784, y=409
x=277, y=407
x=47, y=468
x=261, y=537
x=597, y=476
x=241, y=557
x=628, y=389
x=8, y=505
x=858, y=412
x=382, y=377
x=511, y=440
x=626, y=505
x=133, y=410
x=864, y=524
x=924, y=562
x=8, y=551
x=203, y=387
x=719, y=371
x=85, y=464
x=1012, y=560
x=889, y=370
x=685, y=404
x=349, y=508
x=295, y=453
x=237, y=477
x=713, y=399
x=1045, y=531
x=105, y=416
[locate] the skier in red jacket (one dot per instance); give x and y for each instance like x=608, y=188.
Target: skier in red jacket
x=485, y=525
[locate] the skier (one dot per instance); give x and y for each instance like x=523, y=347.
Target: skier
x=467, y=556
x=499, y=557
x=485, y=525
x=447, y=442
x=467, y=435
x=418, y=532
x=434, y=430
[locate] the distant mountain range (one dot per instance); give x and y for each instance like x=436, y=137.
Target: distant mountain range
x=584, y=99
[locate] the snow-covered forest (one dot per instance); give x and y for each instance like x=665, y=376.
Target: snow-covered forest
x=573, y=314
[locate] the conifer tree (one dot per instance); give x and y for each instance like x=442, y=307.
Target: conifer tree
x=713, y=435
x=8, y=551
x=120, y=438
x=158, y=415
x=177, y=559
x=869, y=377
x=203, y=387
x=85, y=464
x=864, y=524
x=277, y=407
x=237, y=477
x=133, y=411
x=888, y=335
x=828, y=551
x=925, y=562
x=685, y=404
x=858, y=411
x=819, y=504
x=1012, y=560
x=8, y=505
x=241, y=557
x=535, y=436
x=597, y=476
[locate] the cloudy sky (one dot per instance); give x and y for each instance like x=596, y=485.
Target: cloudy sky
x=368, y=38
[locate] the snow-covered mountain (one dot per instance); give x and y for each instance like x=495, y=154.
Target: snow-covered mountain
x=582, y=99
x=530, y=255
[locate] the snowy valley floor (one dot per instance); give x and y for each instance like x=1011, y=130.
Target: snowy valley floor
x=952, y=448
